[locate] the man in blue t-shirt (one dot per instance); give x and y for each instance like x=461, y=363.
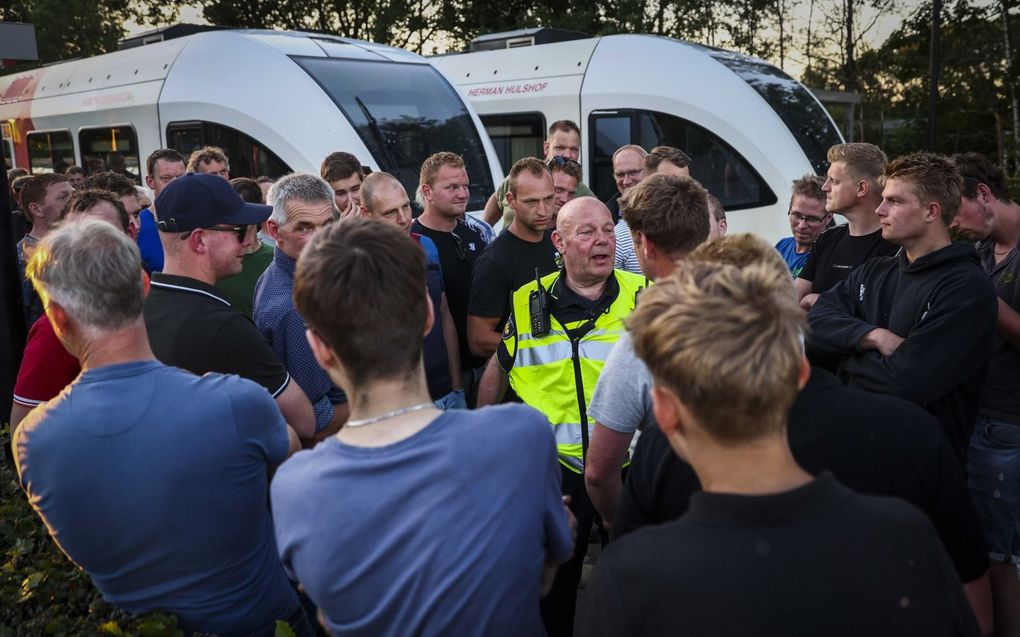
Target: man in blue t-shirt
x=808, y=220
x=383, y=198
x=421, y=522
x=162, y=166
x=160, y=498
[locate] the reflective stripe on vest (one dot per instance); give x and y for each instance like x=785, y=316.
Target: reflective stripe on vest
x=543, y=370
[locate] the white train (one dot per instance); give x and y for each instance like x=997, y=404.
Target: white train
x=275, y=101
x=749, y=128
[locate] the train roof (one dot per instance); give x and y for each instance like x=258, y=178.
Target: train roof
x=152, y=62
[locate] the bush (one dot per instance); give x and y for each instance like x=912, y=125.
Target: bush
x=42, y=592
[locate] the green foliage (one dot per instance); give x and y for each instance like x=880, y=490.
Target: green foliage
x=42, y=592
x=972, y=88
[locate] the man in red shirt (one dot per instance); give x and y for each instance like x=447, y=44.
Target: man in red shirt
x=46, y=367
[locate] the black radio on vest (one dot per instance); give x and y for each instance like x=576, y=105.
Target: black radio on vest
x=539, y=305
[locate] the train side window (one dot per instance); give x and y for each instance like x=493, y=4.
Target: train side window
x=609, y=131
x=714, y=163
x=112, y=148
x=248, y=157
x=515, y=135
x=8, y=154
x=50, y=151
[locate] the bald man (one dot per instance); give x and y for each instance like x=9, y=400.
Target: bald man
x=554, y=359
x=383, y=198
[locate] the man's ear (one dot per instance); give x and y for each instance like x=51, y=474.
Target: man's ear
x=804, y=373
x=933, y=211
x=426, y=191
x=273, y=228
x=149, y=181
x=674, y=420
x=558, y=241
x=61, y=322
x=646, y=246
x=431, y=319
x=984, y=194
x=324, y=354
x=863, y=188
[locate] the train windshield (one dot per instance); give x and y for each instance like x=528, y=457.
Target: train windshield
x=800, y=111
x=404, y=113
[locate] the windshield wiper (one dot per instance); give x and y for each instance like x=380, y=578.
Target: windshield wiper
x=387, y=148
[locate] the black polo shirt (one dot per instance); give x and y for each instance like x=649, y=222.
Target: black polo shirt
x=192, y=326
x=875, y=444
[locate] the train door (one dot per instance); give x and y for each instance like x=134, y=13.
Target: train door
x=714, y=163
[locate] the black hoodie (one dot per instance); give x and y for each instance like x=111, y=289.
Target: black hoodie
x=945, y=307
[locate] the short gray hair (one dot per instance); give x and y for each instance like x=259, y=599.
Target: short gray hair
x=92, y=270
x=297, y=186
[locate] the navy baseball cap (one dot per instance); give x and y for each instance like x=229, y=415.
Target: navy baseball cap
x=199, y=200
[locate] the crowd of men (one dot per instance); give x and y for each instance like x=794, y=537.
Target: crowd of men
x=245, y=401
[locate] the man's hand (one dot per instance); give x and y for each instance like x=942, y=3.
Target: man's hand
x=571, y=520
x=808, y=301
x=353, y=209
x=881, y=339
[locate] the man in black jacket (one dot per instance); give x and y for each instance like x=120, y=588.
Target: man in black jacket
x=921, y=324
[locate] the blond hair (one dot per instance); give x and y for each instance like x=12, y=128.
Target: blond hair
x=737, y=372
x=934, y=179
x=863, y=162
x=740, y=250
x=430, y=168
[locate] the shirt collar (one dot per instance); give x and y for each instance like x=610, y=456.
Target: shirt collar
x=281, y=260
x=565, y=297
x=188, y=285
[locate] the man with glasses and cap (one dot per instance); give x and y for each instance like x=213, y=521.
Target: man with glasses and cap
x=808, y=220
x=206, y=229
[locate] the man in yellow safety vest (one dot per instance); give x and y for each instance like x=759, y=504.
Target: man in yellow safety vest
x=560, y=331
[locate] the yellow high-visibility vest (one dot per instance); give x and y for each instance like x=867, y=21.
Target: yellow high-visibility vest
x=556, y=373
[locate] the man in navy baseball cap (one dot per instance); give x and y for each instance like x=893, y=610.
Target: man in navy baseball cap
x=206, y=230
x=206, y=201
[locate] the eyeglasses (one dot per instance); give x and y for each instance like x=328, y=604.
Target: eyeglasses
x=632, y=174
x=240, y=231
x=797, y=217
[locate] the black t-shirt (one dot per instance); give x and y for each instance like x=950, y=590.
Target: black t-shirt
x=816, y=560
x=999, y=396
x=192, y=326
x=506, y=265
x=837, y=253
x=458, y=252
x=873, y=443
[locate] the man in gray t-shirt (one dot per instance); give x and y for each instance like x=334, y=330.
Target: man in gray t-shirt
x=668, y=217
x=622, y=400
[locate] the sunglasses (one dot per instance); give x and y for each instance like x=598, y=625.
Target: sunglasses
x=240, y=231
x=560, y=161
